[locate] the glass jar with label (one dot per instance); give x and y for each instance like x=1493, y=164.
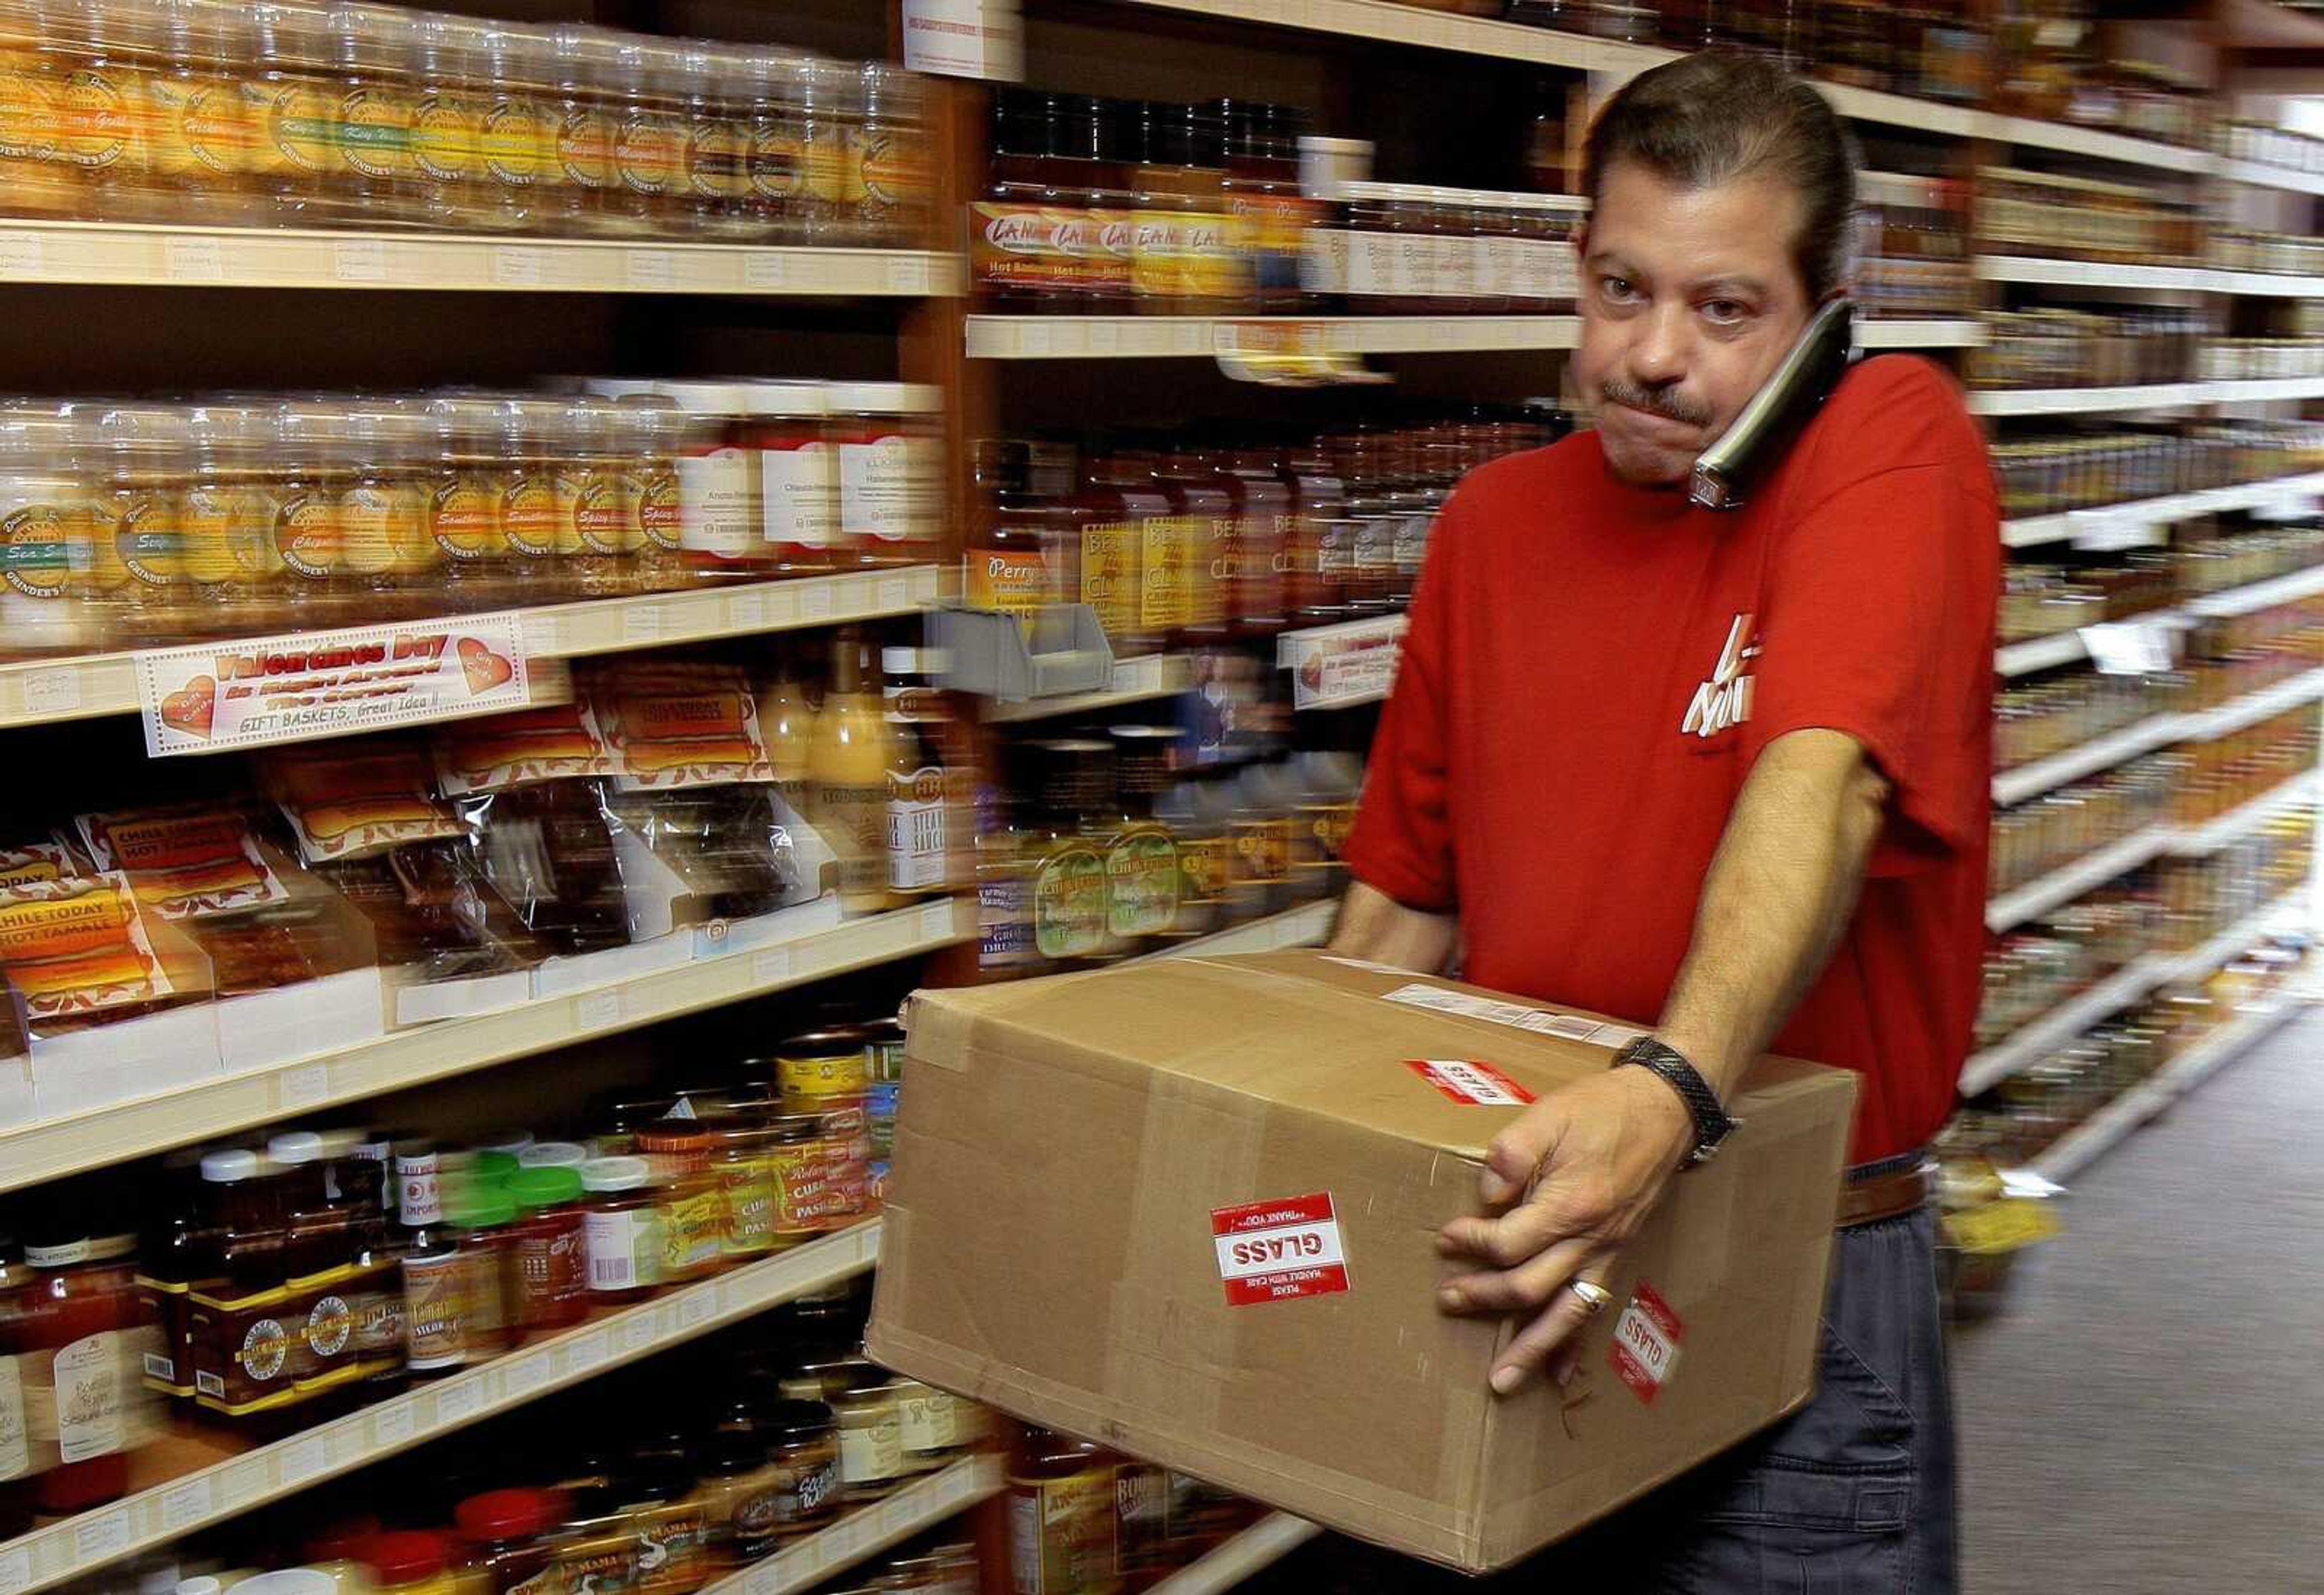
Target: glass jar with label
x=387, y=554
x=797, y=474
x=244, y=1317
x=468, y=484
x=719, y=515
x=409, y=1562
x=890, y=471
x=509, y=1534
x=434, y=1272
x=106, y=49
x=146, y=460
x=743, y=1157
x=292, y=104
x=649, y=134
x=1260, y=548
x=899, y=180
x=870, y=1440
x=775, y=160
x=492, y=1294
x=447, y=122
x=1005, y=559
x=551, y=1247
x=608, y=527
x=713, y=157
x=646, y=431
x=47, y=603
x=823, y=1064
x=1186, y=555
x=584, y=112
x=1318, y=549
x=519, y=175
x=1142, y=873
x=1091, y=211
x=1069, y=894
x=802, y=1441
x=1118, y=500
x=936, y=1425
x=928, y=803
x=690, y=1209
x=539, y=538
x=1268, y=214
x=81, y=1328
x=657, y=1494
x=1061, y=1515
x=198, y=130
x=830, y=102
x=372, y=49
x=34, y=178
x=621, y=1229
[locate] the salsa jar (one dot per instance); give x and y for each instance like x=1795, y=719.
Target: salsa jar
x=620, y=1228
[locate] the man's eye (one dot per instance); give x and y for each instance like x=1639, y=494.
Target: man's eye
x=1726, y=311
x=1617, y=287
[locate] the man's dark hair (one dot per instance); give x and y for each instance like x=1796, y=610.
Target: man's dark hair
x=1720, y=115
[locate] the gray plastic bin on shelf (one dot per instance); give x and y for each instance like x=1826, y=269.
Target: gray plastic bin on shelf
x=989, y=653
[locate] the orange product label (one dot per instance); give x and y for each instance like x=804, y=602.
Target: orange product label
x=499, y=750
x=307, y=534
x=584, y=149
x=75, y=945
x=1015, y=246
x=684, y=727
x=1014, y=581
x=464, y=519
x=716, y=159
x=537, y=516
x=96, y=120
x=605, y=513
x=184, y=862
x=348, y=799
x=1087, y=239
x=895, y=167
x=777, y=162
x=35, y=862
x=519, y=145
x=30, y=125
x=646, y=153
x=661, y=512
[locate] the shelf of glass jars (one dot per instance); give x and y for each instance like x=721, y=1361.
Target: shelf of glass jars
x=2013, y=401
x=868, y=1530
x=82, y=686
x=1152, y=337
x=1261, y=1545
x=1398, y=24
x=2098, y=522
x=1135, y=681
x=2066, y=647
x=684, y=973
x=2070, y=273
x=2039, y=1037
x=197, y=1476
x=2102, y=1130
x=2063, y=885
x=1306, y=926
x=166, y=256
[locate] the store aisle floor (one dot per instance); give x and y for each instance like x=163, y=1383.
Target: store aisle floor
x=2146, y=1414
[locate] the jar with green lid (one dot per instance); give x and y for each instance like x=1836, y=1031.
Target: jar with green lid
x=483, y=1229
x=551, y=1250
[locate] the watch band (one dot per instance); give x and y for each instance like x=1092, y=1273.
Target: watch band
x=1711, y=1124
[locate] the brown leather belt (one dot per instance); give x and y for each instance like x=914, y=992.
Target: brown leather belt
x=1890, y=1196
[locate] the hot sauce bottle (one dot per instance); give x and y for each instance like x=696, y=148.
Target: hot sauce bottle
x=76, y=1337
x=1014, y=254
x=1005, y=562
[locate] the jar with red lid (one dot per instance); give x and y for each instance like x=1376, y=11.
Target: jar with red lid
x=409, y=1562
x=688, y=1205
x=552, y=1258
x=621, y=1227
x=509, y=1534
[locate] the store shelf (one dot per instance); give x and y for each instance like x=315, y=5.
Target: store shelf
x=2253, y=707
x=2196, y=841
x=1307, y=925
x=2063, y=885
x=1146, y=337
x=2260, y=176
x=2039, y=653
x=2038, y=1038
x=2010, y=401
x=2080, y=1146
x=865, y=1533
x=1909, y=334
x=2030, y=134
x=285, y=257
x=84, y=685
x=1135, y=681
x=2065, y=648
x=2266, y=389
x=1262, y=1544
x=2070, y=524
x=2252, y=596
x=2230, y=943
x=2031, y=780
x=175, y=1507
x=2072, y=273
x=53, y=1148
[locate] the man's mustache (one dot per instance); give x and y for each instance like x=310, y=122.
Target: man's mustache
x=1663, y=403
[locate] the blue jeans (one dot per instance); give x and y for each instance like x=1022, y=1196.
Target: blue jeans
x=1854, y=1494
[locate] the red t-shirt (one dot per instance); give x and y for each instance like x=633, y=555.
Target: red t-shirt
x=1592, y=667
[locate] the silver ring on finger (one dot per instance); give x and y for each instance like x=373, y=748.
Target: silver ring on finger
x=1596, y=1297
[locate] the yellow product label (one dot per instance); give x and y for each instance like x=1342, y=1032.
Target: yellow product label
x=1157, y=251
x=605, y=513
x=749, y=1197
x=895, y=168
x=1210, y=542
x=646, y=153
x=307, y=534
x=445, y=138
x=716, y=159
x=30, y=122
x=840, y=1074
x=1205, y=866
x=519, y=145
x=151, y=538
x=466, y=519
x=1168, y=553
x=661, y=509
x=825, y=162
x=1208, y=265
x=584, y=149
x=537, y=516
x=99, y=125
x=215, y=516
x=693, y=1232
x=777, y=162
x=198, y=128
x=184, y=862
x=374, y=523
x=375, y=132
x=41, y=547
x=72, y=945
x=297, y=131
x=2002, y=1225
x=1012, y=581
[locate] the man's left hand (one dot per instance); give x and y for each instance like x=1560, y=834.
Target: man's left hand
x=1564, y=1186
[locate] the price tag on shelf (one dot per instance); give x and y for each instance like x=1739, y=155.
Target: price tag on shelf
x=395, y=1423
x=771, y=967
x=694, y=1307
x=23, y=255
x=253, y=1480
x=815, y=601
x=185, y=1503
x=642, y=622
x=2129, y=647
x=303, y=1088
x=303, y=1458
x=1033, y=340
x=895, y=593
x=522, y=1376
x=597, y=1010
x=982, y=39
x=516, y=266
x=907, y=273
x=2103, y=530
x=588, y=1350
x=650, y=268
x=768, y=271
x=193, y=260
x=458, y=1401
x=359, y=260
x=746, y=612
x=640, y=1331
x=765, y=1579
x=102, y=1538
x=51, y=692
x=937, y=920
x=1104, y=338
x=15, y=1570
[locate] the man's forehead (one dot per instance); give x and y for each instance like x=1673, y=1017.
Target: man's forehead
x=1743, y=226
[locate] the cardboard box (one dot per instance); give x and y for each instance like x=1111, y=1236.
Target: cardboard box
x=1188, y=1207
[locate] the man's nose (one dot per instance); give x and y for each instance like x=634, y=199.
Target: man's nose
x=1659, y=354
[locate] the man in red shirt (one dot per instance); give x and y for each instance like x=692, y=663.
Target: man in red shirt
x=1721, y=772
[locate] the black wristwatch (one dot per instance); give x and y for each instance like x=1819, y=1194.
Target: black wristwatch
x=1711, y=1124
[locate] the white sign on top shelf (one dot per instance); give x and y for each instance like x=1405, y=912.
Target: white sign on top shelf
x=981, y=39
